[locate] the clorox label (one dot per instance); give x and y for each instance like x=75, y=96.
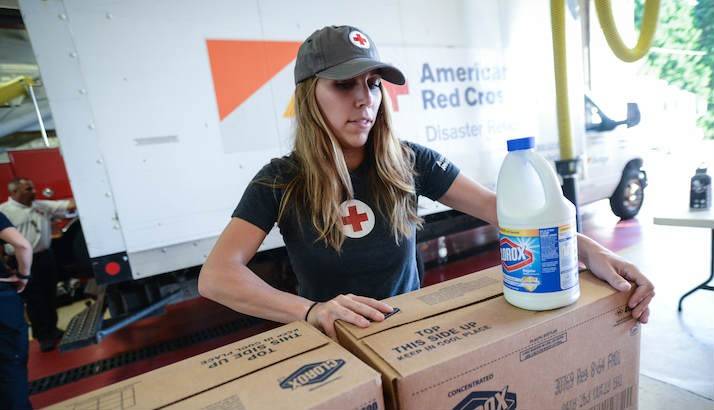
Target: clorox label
x=312, y=373
x=489, y=400
x=514, y=256
x=539, y=260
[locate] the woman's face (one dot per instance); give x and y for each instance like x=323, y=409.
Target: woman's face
x=350, y=107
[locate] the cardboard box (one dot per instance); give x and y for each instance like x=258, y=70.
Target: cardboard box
x=460, y=345
x=293, y=366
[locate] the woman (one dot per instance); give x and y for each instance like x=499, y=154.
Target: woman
x=345, y=201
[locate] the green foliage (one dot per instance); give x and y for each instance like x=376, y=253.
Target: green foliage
x=685, y=32
x=704, y=19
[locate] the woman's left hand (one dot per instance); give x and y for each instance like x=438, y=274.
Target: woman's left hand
x=19, y=282
x=617, y=271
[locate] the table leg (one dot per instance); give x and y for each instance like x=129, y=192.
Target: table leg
x=705, y=285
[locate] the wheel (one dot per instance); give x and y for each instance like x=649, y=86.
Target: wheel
x=627, y=199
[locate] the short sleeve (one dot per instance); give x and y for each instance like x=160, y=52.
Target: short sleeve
x=434, y=173
x=4, y=222
x=260, y=202
x=55, y=208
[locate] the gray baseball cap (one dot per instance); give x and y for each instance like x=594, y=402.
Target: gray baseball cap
x=341, y=53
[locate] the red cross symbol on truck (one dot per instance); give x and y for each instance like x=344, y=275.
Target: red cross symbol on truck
x=358, y=38
x=354, y=218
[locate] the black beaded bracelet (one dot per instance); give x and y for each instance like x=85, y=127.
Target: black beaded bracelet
x=23, y=277
x=309, y=309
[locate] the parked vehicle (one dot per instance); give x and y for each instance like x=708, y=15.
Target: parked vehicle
x=164, y=114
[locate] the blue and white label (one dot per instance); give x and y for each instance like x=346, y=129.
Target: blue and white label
x=482, y=400
x=312, y=373
x=539, y=260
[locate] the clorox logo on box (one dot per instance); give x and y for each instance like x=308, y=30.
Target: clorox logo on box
x=513, y=256
x=312, y=373
x=488, y=400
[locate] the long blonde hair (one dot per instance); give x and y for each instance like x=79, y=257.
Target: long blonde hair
x=322, y=181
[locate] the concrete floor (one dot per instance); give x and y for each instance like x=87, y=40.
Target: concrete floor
x=658, y=395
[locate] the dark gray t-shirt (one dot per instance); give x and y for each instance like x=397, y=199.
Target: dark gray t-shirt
x=371, y=263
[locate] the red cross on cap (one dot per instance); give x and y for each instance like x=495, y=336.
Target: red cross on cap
x=359, y=39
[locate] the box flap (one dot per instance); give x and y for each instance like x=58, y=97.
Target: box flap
x=421, y=344
x=265, y=349
x=434, y=300
x=202, y=372
x=325, y=375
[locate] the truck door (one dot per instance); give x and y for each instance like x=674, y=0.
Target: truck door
x=602, y=155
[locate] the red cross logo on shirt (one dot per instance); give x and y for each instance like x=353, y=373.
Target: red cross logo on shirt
x=359, y=39
x=354, y=218
x=357, y=218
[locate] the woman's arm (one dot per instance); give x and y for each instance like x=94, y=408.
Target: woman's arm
x=226, y=279
x=471, y=198
x=617, y=271
x=23, y=254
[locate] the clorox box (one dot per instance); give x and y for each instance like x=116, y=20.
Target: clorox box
x=460, y=345
x=290, y=367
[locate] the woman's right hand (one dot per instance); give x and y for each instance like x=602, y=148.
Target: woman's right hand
x=358, y=310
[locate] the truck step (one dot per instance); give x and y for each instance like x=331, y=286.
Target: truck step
x=82, y=329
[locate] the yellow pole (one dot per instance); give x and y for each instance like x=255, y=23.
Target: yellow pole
x=604, y=12
x=565, y=138
x=567, y=166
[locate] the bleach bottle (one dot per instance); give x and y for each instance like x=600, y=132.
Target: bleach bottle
x=700, y=191
x=537, y=232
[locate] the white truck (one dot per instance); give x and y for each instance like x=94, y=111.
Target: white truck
x=166, y=110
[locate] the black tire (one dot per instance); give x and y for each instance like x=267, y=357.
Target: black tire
x=629, y=195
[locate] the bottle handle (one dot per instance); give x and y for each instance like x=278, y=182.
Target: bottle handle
x=551, y=185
